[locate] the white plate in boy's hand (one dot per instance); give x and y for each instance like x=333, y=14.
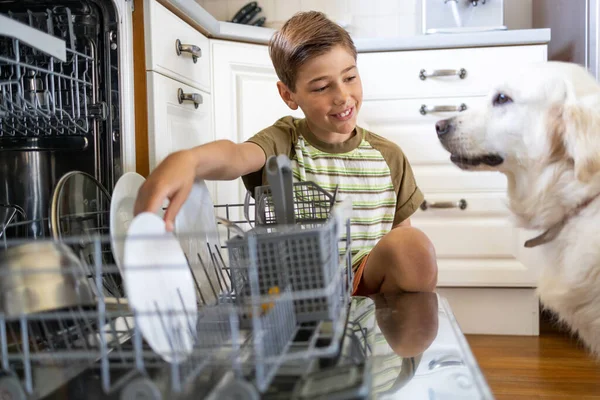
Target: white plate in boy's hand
x=160, y=288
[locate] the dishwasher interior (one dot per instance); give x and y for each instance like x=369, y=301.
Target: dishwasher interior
x=57, y=116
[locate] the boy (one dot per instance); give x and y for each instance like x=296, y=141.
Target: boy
x=315, y=60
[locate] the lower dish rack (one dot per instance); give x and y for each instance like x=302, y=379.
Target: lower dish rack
x=250, y=329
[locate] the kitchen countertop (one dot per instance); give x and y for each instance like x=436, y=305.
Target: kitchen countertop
x=260, y=35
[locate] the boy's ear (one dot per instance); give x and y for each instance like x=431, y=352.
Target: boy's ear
x=287, y=95
x=581, y=121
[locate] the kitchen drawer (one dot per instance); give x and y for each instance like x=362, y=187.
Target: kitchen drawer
x=396, y=75
x=172, y=125
x=467, y=224
x=403, y=122
x=163, y=30
x=479, y=245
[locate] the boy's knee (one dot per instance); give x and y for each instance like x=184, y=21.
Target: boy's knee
x=417, y=257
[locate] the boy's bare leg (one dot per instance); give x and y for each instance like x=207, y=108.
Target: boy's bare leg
x=403, y=260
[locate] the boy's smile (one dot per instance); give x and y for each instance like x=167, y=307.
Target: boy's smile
x=329, y=92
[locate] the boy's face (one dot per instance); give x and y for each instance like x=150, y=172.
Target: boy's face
x=329, y=92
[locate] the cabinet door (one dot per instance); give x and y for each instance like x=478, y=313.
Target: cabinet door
x=246, y=100
x=175, y=125
x=477, y=245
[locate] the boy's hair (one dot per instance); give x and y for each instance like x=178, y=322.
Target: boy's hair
x=304, y=36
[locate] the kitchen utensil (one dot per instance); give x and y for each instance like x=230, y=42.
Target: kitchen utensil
x=160, y=287
x=248, y=17
x=259, y=22
x=197, y=231
x=244, y=11
x=121, y=212
x=42, y=276
x=279, y=176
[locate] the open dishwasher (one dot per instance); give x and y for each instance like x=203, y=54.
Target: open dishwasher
x=65, y=113
x=276, y=325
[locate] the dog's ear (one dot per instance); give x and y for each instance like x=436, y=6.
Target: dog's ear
x=580, y=131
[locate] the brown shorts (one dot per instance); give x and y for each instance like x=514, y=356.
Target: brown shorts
x=358, y=274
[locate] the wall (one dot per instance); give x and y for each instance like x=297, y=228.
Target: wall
x=566, y=18
x=363, y=18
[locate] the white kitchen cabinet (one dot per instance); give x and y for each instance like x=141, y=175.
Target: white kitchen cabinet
x=246, y=100
x=174, y=123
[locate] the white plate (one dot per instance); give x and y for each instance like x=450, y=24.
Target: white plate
x=121, y=212
x=195, y=227
x=160, y=287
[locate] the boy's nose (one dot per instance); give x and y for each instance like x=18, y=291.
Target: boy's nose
x=341, y=98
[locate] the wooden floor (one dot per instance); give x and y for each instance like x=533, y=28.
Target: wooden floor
x=551, y=366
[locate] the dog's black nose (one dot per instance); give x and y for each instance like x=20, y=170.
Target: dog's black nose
x=442, y=127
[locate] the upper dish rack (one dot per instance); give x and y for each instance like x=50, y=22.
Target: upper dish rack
x=44, y=99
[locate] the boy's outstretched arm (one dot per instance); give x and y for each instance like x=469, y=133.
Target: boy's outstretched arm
x=174, y=176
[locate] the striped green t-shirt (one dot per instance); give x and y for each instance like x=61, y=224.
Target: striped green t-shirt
x=368, y=168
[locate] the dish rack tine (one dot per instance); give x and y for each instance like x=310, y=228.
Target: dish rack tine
x=4, y=343
x=26, y=355
x=212, y=287
x=207, y=277
x=213, y=263
x=164, y=326
x=224, y=269
x=192, y=330
x=189, y=264
x=222, y=273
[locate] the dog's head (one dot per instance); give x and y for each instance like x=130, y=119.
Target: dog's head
x=541, y=118
x=545, y=113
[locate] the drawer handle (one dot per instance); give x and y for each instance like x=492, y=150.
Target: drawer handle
x=194, y=50
x=195, y=97
x=424, y=109
x=461, y=73
x=462, y=204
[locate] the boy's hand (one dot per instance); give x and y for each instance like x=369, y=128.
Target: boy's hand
x=173, y=180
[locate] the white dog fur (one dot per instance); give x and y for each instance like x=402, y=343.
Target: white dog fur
x=541, y=128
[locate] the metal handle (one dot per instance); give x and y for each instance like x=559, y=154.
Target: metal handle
x=195, y=97
x=461, y=73
x=194, y=50
x=462, y=204
x=424, y=109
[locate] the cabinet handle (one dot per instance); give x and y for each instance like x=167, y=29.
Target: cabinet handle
x=462, y=204
x=195, y=97
x=424, y=109
x=461, y=73
x=194, y=50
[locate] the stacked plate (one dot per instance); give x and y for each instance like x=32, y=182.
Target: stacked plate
x=167, y=274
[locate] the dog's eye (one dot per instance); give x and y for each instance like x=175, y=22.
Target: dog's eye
x=500, y=99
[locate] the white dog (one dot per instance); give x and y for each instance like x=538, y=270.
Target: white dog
x=541, y=128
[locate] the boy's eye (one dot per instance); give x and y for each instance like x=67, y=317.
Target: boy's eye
x=350, y=78
x=320, y=89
